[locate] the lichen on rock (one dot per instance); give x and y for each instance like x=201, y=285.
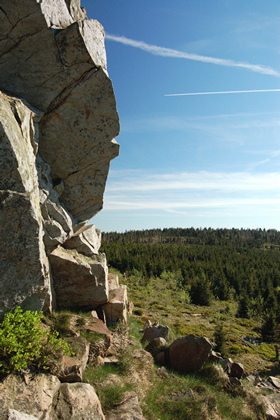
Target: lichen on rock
x=58, y=123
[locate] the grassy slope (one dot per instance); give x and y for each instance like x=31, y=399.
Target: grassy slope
x=202, y=396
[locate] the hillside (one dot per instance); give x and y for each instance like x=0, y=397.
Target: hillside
x=198, y=280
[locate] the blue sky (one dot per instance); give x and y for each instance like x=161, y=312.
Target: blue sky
x=206, y=160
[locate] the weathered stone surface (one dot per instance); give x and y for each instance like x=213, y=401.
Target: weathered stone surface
x=59, y=66
x=79, y=281
x=32, y=395
x=215, y=357
x=128, y=409
x=75, y=10
x=82, y=164
x=16, y=415
x=275, y=381
x=272, y=403
x=74, y=366
x=188, y=353
x=78, y=401
x=236, y=370
x=113, y=280
x=24, y=267
x=152, y=331
x=116, y=308
x=97, y=326
x=86, y=241
x=155, y=346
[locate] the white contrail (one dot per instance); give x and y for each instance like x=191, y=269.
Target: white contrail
x=223, y=93
x=168, y=52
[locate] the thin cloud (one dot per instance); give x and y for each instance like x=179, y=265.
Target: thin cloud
x=168, y=52
x=222, y=93
x=197, y=181
x=198, y=204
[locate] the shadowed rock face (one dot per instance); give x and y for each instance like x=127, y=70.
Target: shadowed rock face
x=58, y=121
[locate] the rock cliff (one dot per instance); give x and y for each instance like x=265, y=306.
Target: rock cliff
x=58, y=123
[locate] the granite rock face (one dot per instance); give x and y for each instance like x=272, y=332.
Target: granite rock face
x=58, y=123
x=44, y=397
x=24, y=267
x=90, y=290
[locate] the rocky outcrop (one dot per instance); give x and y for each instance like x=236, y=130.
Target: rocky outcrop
x=24, y=268
x=33, y=395
x=58, y=123
x=44, y=397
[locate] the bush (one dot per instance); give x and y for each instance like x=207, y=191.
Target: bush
x=25, y=343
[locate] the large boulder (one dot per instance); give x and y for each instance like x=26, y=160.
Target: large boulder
x=188, y=354
x=79, y=281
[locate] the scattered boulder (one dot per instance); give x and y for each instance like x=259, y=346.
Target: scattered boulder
x=152, y=331
x=236, y=370
x=188, y=354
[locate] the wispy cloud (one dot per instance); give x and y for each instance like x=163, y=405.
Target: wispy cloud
x=222, y=93
x=197, y=181
x=168, y=52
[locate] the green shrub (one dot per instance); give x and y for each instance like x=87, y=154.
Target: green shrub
x=25, y=343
